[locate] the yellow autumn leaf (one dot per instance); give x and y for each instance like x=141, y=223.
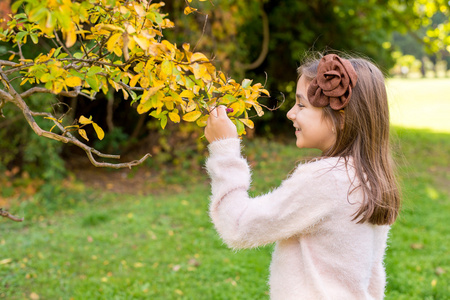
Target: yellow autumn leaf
x=186, y=47
x=145, y=82
x=258, y=109
x=150, y=92
x=83, y=120
x=176, y=98
x=73, y=81
x=140, y=10
x=187, y=94
x=264, y=91
x=191, y=106
x=168, y=102
x=71, y=37
x=222, y=77
x=247, y=122
x=142, y=41
x=236, y=106
x=112, y=42
x=83, y=134
x=109, y=27
x=99, y=131
x=197, y=56
x=143, y=107
x=135, y=79
x=174, y=117
x=202, y=121
x=192, y=116
x=166, y=68
x=201, y=72
x=189, y=10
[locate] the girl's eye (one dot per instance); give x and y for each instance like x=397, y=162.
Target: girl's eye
x=300, y=105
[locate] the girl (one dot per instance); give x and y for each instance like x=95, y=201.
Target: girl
x=330, y=219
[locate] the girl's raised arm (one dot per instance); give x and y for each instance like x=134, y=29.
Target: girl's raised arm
x=303, y=200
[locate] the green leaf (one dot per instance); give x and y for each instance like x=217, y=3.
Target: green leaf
x=15, y=6
x=76, y=73
x=94, y=70
x=93, y=83
x=227, y=99
x=34, y=38
x=246, y=83
x=57, y=52
x=163, y=121
x=21, y=35
x=62, y=55
x=239, y=126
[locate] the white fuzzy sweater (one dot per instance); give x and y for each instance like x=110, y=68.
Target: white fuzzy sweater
x=320, y=252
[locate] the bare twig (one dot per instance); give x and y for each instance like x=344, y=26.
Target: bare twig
x=6, y=214
x=69, y=94
x=277, y=107
x=203, y=33
x=20, y=51
x=265, y=44
x=69, y=138
x=81, y=42
x=62, y=44
x=8, y=63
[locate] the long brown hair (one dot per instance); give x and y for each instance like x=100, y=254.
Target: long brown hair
x=362, y=129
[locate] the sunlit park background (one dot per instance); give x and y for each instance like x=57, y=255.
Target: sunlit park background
x=144, y=233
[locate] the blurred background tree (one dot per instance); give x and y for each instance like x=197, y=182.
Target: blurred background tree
x=264, y=40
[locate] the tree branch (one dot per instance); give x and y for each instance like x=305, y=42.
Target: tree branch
x=265, y=44
x=6, y=214
x=33, y=90
x=62, y=44
x=8, y=63
x=20, y=51
x=65, y=137
x=89, y=150
x=4, y=96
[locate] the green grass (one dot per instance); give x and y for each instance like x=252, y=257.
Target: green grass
x=164, y=246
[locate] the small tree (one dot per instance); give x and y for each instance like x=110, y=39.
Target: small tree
x=113, y=44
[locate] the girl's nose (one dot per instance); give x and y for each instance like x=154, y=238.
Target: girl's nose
x=291, y=114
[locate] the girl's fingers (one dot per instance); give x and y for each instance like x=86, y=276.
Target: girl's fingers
x=221, y=111
x=213, y=111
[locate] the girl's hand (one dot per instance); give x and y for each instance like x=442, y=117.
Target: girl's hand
x=219, y=126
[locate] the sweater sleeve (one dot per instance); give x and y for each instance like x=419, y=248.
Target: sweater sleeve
x=302, y=201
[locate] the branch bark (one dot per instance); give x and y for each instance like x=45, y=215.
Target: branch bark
x=66, y=137
x=6, y=214
x=265, y=45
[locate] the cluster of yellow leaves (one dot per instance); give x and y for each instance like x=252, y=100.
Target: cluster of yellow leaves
x=83, y=121
x=121, y=45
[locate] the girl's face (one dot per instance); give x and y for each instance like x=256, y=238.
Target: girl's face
x=312, y=129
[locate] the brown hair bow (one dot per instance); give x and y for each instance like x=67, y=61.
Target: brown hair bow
x=333, y=83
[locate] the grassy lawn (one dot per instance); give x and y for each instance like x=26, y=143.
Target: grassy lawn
x=164, y=246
